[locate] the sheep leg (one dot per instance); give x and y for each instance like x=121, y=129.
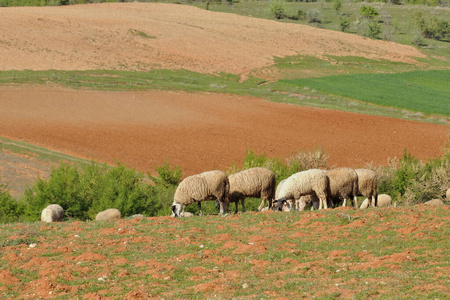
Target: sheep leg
x=243, y=205
x=355, y=199
x=199, y=208
x=263, y=202
x=323, y=203
x=237, y=207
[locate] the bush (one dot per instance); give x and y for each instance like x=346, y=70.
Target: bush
x=337, y=5
x=278, y=8
x=432, y=29
x=368, y=12
x=89, y=189
x=344, y=24
x=10, y=209
x=314, y=16
x=293, y=164
x=165, y=185
x=411, y=181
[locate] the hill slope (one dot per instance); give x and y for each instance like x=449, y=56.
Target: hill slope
x=145, y=36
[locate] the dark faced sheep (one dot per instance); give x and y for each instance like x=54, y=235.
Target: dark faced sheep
x=254, y=182
x=343, y=185
x=211, y=185
x=367, y=185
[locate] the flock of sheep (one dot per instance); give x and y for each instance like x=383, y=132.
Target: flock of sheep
x=320, y=188
x=315, y=187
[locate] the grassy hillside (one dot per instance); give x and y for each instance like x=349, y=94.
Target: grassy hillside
x=419, y=91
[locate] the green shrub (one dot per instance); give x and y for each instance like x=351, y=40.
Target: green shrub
x=84, y=191
x=411, y=181
x=11, y=210
x=283, y=169
x=165, y=185
x=314, y=16
x=278, y=8
x=337, y=5
x=344, y=24
x=368, y=12
x=432, y=29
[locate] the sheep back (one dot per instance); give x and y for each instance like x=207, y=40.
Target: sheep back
x=367, y=183
x=343, y=183
x=201, y=187
x=109, y=214
x=52, y=213
x=435, y=202
x=304, y=183
x=254, y=182
x=384, y=200
x=278, y=189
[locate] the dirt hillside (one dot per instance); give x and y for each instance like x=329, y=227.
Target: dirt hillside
x=145, y=36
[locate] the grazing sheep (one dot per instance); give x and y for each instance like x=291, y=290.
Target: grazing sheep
x=211, y=185
x=254, y=182
x=367, y=185
x=300, y=204
x=109, y=214
x=313, y=181
x=343, y=185
x=283, y=205
x=52, y=213
x=435, y=202
x=383, y=200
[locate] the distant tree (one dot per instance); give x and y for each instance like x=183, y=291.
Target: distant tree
x=344, y=23
x=278, y=8
x=337, y=5
x=368, y=12
x=432, y=29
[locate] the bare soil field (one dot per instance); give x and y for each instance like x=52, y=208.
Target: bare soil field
x=146, y=36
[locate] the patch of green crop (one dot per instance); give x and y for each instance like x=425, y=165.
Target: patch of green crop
x=419, y=91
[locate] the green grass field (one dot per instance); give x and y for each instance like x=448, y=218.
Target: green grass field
x=419, y=91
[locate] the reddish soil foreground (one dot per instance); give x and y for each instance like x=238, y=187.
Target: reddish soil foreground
x=202, y=131
x=386, y=253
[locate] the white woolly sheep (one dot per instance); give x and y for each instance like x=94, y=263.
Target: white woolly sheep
x=211, y=185
x=255, y=183
x=343, y=185
x=435, y=202
x=367, y=185
x=383, y=200
x=299, y=204
x=313, y=181
x=52, y=213
x=109, y=214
